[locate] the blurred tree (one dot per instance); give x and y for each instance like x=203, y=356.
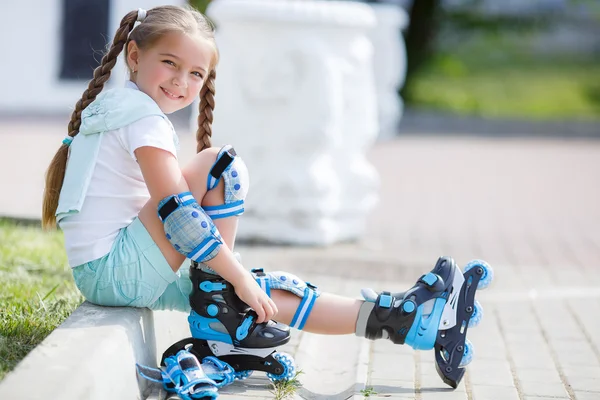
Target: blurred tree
x=200, y=5
x=420, y=35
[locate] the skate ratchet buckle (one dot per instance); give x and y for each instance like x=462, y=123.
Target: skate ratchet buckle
x=184, y=375
x=453, y=351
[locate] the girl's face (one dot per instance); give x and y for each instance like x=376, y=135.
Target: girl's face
x=172, y=71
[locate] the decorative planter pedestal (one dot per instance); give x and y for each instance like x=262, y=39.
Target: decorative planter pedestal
x=296, y=98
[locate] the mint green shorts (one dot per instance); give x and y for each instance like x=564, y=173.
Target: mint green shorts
x=134, y=273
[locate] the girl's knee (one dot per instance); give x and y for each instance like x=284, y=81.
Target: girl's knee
x=201, y=164
x=210, y=152
x=207, y=157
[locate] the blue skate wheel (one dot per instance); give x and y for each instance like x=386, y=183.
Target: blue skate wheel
x=289, y=367
x=486, y=277
x=477, y=315
x=467, y=355
x=241, y=375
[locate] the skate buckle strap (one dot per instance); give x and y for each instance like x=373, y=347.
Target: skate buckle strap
x=433, y=282
x=219, y=371
x=385, y=300
x=208, y=286
x=225, y=159
x=263, y=280
x=429, y=279
x=304, y=309
x=182, y=199
x=184, y=375
x=242, y=331
x=234, y=172
x=225, y=210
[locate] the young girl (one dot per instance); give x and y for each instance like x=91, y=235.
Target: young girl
x=131, y=216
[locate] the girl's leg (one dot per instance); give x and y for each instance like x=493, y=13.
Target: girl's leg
x=331, y=314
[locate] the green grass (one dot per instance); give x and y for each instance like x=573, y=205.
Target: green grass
x=500, y=80
x=283, y=390
x=37, y=293
x=368, y=392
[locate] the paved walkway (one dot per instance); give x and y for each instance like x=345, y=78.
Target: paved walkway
x=531, y=208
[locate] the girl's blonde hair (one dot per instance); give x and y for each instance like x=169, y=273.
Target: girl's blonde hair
x=158, y=22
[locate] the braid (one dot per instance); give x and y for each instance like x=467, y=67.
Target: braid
x=102, y=72
x=205, y=118
x=55, y=174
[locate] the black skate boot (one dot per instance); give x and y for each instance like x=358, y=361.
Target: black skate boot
x=224, y=326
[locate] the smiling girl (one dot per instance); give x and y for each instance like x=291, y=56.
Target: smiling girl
x=131, y=215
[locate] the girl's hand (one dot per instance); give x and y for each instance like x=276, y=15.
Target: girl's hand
x=250, y=293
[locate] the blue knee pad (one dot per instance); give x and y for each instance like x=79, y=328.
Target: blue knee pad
x=234, y=172
x=291, y=283
x=188, y=228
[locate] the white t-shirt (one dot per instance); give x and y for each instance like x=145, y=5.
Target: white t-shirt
x=117, y=190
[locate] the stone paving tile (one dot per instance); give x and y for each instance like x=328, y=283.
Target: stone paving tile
x=544, y=398
x=329, y=363
x=485, y=392
x=484, y=372
x=585, y=312
x=392, y=367
x=586, y=396
x=487, y=340
x=430, y=386
x=393, y=386
x=540, y=382
x=583, y=378
x=391, y=370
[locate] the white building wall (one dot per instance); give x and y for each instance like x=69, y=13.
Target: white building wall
x=30, y=39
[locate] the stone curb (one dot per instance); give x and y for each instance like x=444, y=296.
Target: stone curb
x=77, y=360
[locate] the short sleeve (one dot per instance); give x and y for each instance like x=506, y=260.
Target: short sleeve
x=153, y=131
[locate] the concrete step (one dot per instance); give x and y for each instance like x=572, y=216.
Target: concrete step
x=92, y=355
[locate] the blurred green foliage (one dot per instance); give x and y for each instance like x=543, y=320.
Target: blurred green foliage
x=200, y=5
x=491, y=66
x=527, y=89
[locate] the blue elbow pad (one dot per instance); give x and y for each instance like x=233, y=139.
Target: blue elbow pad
x=188, y=228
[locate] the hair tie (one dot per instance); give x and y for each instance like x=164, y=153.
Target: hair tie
x=141, y=14
x=67, y=140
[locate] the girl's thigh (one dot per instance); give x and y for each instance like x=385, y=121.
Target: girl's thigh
x=135, y=273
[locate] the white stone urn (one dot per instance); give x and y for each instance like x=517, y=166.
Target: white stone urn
x=295, y=96
x=389, y=64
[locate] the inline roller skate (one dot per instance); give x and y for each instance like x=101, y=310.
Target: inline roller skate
x=225, y=327
x=434, y=314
